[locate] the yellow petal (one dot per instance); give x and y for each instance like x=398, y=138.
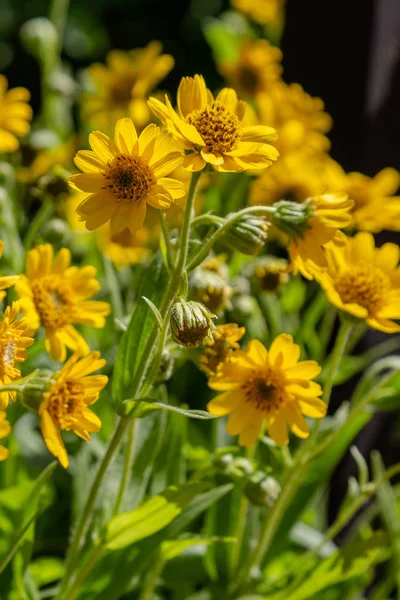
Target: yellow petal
x=313, y=407
x=104, y=148
x=225, y=403
x=258, y=133
x=88, y=162
x=125, y=135
x=284, y=349
x=87, y=182
x=277, y=429
x=257, y=353
x=306, y=369
x=52, y=439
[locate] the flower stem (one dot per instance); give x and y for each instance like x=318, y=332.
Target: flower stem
x=167, y=241
x=128, y=463
x=151, y=581
x=42, y=216
x=339, y=349
x=184, y=242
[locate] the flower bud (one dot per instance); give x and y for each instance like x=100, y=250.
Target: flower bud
x=191, y=323
x=268, y=274
x=262, y=490
x=32, y=387
x=247, y=235
x=292, y=218
x=40, y=38
x=211, y=289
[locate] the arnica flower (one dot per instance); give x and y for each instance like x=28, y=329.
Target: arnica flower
x=211, y=289
x=271, y=386
x=14, y=340
x=262, y=11
x=56, y=295
x=225, y=339
x=120, y=87
x=5, y=430
x=212, y=130
x=6, y=281
x=375, y=205
x=65, y=405
x=331, y=212
x=364, y=281
x=255, y=70
x=124, y=248
x=122, y=176
x=15, y=115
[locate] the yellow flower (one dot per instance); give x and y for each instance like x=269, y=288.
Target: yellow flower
x=14, y=339
x=225, y=339
x=262, y=11
x=268, y=274
x=256, y=69
x=212, y=130
x=375, y=206
x=65, y=405
x=5, y=430
x=331, y=212
x=45, y=160
x=124, y=248
x=122, y=85
x=7, y=280
x=271, y=386
x=55, y=295
x=364, y=281
x=15, y=115
x=123, y=176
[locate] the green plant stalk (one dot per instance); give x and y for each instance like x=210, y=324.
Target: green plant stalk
x=113, y=288
x=84, y=520
x=6, y=559
x=339, y=349
x=58, y=16
x=83, y=571
x=128, y=464
x=151, y=581
x=269, y=304
x=42, y=216
x=167, y=241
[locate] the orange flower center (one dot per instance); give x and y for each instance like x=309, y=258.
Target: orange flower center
x=53, y=301
x=219, y=127
x=264, y=390
x=65, y=403
x=364, y=285
x=129, y=178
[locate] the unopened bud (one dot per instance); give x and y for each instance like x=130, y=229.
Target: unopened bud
x=40, y=38
x=262, y=490
x=247, y=235
x=191, y=324
x=211, y=289
x=31, y=388
x=292, y=218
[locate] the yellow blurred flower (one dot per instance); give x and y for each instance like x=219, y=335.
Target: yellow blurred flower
x=65, y=405
x=56, y=295
x=122, y=85
x=256, y=69
x=268, y=274
x=331, y=212
x=124, y=248
x=122, y=176
x=211, y=129
x=6, y=281
x=375, y=205
x=15, y=115
x=14, y=339
x=262, y=11
x=45, y=160
x=271, y=386
x=364, y=281
x=225, y=339
x=5, y=430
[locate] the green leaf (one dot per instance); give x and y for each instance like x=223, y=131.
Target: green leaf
x=131, y=348
x=158, y=405
x=171, y=549
x=155, y=310
x=224, y=42
x=127, y=528
x=46, y=569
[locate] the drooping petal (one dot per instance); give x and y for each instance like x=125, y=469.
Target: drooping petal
x=52, y=439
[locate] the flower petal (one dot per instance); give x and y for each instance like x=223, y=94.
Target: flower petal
x=52, y=439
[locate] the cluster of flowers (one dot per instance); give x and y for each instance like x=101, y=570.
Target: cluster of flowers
x=134, y=167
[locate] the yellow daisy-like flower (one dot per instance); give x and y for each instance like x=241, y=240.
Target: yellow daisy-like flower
x=262, y=11
x=122, y=176
x=211, y=129
x=225, y=339
x=56, y=295
x=271, y=386
x=375, y=205
x=65, y=405
x=256, y=69
x=14, y=340
x=124, y=248
x=364, y=281
x=6, y=281
x=122, y=85
x=331, y=212
x=5, y=430
x=15, y=115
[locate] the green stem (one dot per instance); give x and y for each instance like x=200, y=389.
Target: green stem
x=83, y=571
x=339, y=349
x=42, y=216
x=151, y=581
x=114, y=289
x=58, y=16
x=271, y=309
x=184, y=241
x=128, y=463
x=167, y=241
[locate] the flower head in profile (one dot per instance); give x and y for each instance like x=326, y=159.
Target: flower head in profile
x=331, y=212
x=211, y=129
x=65, y=405
x=120, y=87
x=15, y=115
x=255, y=70
x=122, y=176
x=364, y=281
x=376, y=207
x=269, y=386
x=6, y=281
x=14, y=340
x=5, y=430
x=225, y=339
x=262, y=11
x=55, y=295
